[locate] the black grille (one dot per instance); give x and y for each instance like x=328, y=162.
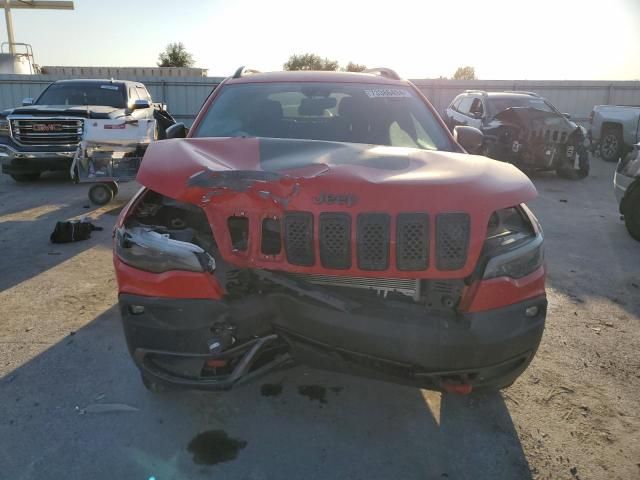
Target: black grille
x=452, y=240
x=412, y=236
x=335, y=240
x=373, y=241
x=298, y=240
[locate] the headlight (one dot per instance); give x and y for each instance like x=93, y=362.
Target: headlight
x=513, y=246
x=4, y=127
x=146, y=249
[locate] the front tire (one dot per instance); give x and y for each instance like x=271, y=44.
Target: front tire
x=25, y=177
x=632, y=214
x=611, y=145
x=570, y=173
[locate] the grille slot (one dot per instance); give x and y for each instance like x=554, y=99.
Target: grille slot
x=382, y=286
x=46, y=131
x=412, y=236
x=373, y=241
x=452, y=240
x=335, y=240
x=298, y=240
x=270, y=243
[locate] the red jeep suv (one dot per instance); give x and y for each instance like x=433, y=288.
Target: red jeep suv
x=328, y=219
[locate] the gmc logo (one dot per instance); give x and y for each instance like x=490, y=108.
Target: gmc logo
x=46, y=127
x=347, y=199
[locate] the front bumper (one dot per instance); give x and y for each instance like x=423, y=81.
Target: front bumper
x=16, y=162
x=170, y=340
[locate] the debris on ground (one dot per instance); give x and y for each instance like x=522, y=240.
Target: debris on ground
x=72, y=231
x=106, y=408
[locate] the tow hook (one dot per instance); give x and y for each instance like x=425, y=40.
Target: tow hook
x=459, y=385
x=457, y=388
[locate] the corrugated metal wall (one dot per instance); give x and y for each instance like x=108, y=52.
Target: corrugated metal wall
x=184, y=95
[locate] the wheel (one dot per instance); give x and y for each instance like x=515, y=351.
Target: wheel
x=570, y=173
x=114, y=187
x=152, y=385
x=611, y=145
x=632, y=213
x=25, y=177
x=100, y=194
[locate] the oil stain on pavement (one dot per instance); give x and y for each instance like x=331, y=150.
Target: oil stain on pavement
x=214, y=446
x=313, y=392
x=271, y=389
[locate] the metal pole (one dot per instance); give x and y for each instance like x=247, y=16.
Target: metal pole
x=9, y=20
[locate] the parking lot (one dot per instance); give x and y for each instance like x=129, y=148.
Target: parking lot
x=73, y=405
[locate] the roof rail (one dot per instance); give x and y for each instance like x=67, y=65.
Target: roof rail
x=523, y=92
x=242, y=71
x=479, y=92
x=383, y=72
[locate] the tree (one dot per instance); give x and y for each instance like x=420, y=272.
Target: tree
x=465, y=73
x=355, y=67
x=175, y=55
x=310, y=61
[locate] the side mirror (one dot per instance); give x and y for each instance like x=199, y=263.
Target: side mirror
x=469, y=137
x=140, y=103
x=567, y=115
x=177, y=130
x=27, y=101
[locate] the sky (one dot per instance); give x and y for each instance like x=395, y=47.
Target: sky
x=501, y=39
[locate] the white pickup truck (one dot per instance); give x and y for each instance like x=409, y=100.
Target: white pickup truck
x=615, y=129
x=44, y=134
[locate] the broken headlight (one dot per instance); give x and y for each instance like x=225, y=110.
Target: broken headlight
x=513, y=246
x=146, y=249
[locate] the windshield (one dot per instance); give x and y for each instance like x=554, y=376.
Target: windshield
x=497, y=105
x=107, y=94
x=341, y=112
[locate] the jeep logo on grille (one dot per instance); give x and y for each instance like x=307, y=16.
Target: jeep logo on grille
x=324, y=198
x=46, y=127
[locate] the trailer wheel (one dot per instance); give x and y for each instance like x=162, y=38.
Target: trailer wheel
x=611, y=145
x=114, y=187
x=100, y=194
x=632, y=213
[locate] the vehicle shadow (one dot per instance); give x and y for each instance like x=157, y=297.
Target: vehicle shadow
x=298, y=423
x=28, y=214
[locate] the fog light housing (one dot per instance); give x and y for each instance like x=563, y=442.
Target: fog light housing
x=531, y=311
x=136, y=309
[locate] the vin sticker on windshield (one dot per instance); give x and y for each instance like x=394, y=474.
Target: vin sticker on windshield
x=109, y=87
x=386, y=93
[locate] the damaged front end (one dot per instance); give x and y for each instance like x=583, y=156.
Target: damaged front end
x=229, y=274
x=533, y=140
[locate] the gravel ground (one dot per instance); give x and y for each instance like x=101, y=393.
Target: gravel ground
x=72, y=405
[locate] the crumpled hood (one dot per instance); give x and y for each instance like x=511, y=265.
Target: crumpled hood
x=187, y=169
x=261, y=178
x=534, y=119
x=84, y=111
